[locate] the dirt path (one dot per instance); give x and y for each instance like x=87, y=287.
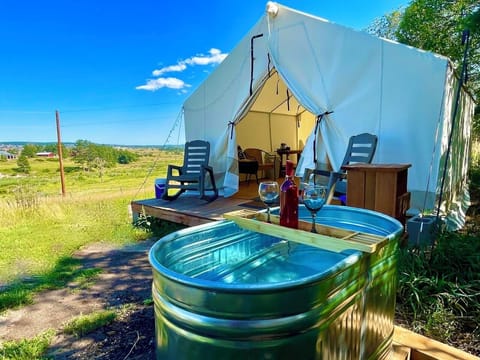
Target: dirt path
x=125, y=279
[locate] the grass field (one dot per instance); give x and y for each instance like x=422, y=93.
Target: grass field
x=38, y=226
x=438, y=293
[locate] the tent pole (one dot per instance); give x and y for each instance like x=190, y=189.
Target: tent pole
x=270, y=130
x=279, y=105
x=465, y=38
x=252, y=59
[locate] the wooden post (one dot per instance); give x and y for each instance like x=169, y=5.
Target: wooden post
x=60, y=156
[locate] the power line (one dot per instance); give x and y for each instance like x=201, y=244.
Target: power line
x=117, y=107
x=28, y=112
x=114, y=122
x=102, y=108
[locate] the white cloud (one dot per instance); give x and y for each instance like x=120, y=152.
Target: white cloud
x=214, y=56
x=172, y=68
x=155, y=84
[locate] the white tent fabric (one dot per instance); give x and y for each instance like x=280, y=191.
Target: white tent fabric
x=402, y=94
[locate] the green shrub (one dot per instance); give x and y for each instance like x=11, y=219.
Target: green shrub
x=26, y=197
x=84, y=324
x=23, y=164
x=156, y=226
x=27, y=349
x=439, y=289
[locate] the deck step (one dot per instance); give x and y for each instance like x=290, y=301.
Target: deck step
x=401, y=352
x=423, y=348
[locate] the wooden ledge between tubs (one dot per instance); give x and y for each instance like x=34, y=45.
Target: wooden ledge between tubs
x=408, y=345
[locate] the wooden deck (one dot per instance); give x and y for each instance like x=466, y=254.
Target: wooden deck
x=190, y=210
x=408, y=345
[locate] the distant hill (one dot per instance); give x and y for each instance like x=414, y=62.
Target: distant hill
x=71, y=144
x=23, y=143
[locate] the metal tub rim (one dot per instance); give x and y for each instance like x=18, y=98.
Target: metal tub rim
x=350, y=256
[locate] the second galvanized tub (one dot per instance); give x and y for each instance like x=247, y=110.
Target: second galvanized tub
x=222, y=292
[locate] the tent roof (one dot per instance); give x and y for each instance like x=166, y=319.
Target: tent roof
x=402, y=94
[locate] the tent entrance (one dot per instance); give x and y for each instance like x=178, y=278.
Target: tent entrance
x=274, y=118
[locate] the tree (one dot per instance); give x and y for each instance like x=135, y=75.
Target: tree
x=80, y=153
x=473, y=23
x=30, y=150
x=126, y=157
x=99, y=165
x=437, y=25
x=98, y=157
x=387, y=25
x=53, y=147
x=23, y=164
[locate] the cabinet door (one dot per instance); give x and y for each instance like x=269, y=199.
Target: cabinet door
x=356, y=189
x=386, y=193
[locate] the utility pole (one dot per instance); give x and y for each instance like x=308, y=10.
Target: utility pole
x=59, y=149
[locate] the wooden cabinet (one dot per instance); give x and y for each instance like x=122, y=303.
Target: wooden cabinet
x=379, y=187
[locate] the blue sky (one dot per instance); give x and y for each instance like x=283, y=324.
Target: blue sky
x=119, y=71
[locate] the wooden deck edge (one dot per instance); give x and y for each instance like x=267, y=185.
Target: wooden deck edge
x=401, y=352
x=167, y=214
x=423, y=348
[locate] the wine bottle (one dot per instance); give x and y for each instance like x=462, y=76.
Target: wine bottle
x=289, y=199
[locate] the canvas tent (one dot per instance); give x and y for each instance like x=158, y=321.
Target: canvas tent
x=291, y=67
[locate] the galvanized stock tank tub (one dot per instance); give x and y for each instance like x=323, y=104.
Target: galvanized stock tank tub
x=222, y=292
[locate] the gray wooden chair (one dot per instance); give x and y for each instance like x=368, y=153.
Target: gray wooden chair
x=361, y=149
x=192, y=175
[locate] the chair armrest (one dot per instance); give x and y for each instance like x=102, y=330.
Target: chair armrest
x=321, y=172
x=334, y=175
x=170, y=169
x=338, y=175
x=207, y=168
x=270, y=158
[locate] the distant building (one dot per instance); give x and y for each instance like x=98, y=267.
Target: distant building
x=45, y=154
x=5, y=154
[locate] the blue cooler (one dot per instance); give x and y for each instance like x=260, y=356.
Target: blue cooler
x=160, y=187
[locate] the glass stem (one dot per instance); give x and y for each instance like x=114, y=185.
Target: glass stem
x=268, y=214
x=314, y=230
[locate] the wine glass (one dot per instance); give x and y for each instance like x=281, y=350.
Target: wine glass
x=314, y=197
x=269, y=192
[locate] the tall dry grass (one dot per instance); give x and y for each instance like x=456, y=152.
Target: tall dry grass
x=35, y=237
x=38, y=226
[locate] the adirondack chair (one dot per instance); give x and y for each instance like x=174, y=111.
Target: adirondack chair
x=361, y=149
x=192, y=174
